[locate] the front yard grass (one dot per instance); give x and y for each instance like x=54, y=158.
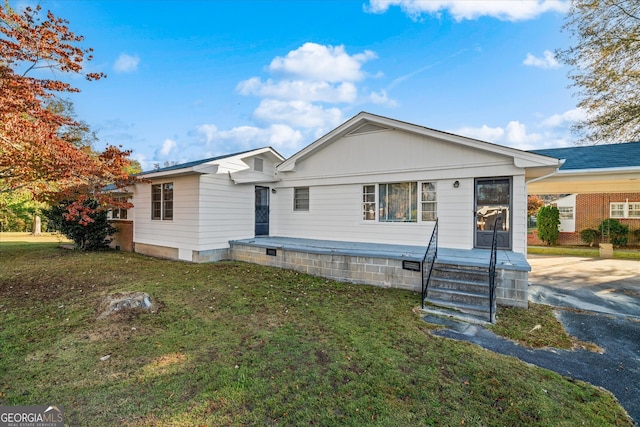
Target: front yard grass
x=240, y=344
x=582, y=251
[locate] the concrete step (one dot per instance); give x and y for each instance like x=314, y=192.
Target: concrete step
x=450, y=317
x=480, y=312
x=457, y=296
x=473, y=274
x=481, y=288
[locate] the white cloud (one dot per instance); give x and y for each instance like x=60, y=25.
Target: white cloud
x=298, y=114
x=381, y=98
x=568, y=117
x=168, y=147
x=483, y=133
x=126, y=63
x=547, y=61
x=514, y=135
x=302, y=98
x=506, y=10
x=278, y=136
x=300, y=90
x=317, y=62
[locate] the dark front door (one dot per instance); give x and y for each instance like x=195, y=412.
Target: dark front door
x=493, y=202
x=262, y=211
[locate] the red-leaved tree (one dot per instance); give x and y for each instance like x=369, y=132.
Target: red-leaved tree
x=34, y=153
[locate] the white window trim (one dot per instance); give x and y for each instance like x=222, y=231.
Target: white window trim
x=162, y=201
x=308, y=199
x=625, y=210
x=377, y=203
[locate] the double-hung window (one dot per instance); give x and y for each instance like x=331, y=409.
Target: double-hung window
x=428, y=200
x=368, y=202
x=301, y=199
x=162, y=201
x=624, y=210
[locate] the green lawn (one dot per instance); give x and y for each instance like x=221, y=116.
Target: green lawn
x=240, y=344
x=582, y=251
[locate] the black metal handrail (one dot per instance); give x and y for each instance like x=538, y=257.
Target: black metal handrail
x=492, y=270
x=428, y=260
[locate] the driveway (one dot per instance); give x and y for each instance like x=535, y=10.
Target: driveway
x=601, y=285
x=606, y=296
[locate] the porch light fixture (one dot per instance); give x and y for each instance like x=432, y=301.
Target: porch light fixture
x=273, y=191
x=456, y=184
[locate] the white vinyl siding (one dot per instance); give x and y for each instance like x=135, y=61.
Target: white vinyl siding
x=182, y=230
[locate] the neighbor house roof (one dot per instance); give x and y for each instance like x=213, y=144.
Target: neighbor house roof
x=622, y=155
x=611, y=168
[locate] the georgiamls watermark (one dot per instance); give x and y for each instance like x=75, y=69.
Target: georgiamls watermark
x=31, y=416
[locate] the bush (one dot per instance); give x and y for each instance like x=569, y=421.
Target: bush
x=548, y=221
x=589, y=235
x=615, y=231
x=91, y=236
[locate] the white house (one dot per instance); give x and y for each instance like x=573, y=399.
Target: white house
x=191, y=211
x=372, y=184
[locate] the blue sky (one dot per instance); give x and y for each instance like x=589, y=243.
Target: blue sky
x=193, y=79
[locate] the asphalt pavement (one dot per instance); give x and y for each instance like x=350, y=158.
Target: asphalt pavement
x=598, y=301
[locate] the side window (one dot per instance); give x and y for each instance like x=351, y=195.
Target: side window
x=429, y=201
x=162, y=201
x=368, y=202
x=301, y=199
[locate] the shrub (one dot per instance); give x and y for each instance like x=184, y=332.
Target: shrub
x=88, y=236
x=548, y=221
x=614, y=231
x=589, y=235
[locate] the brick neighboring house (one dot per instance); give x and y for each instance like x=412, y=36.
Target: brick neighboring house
x=582, y=211
x=605, y=182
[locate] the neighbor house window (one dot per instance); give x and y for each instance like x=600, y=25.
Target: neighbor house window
x=398, y=202
x=368, y=202
x=566, y=212
x=428, y=200
x=162, y=201
x=625, y=210
x=301, y=199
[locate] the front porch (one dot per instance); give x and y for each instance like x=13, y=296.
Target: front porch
x=384, y=265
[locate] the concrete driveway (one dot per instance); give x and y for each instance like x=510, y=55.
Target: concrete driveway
x=601, y=285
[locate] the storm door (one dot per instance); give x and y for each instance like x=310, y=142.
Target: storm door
x=262, y=211
x=493, y=202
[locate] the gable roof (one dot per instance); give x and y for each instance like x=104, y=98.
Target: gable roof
x=624, y=155
x=368, y=122
x=199, y=166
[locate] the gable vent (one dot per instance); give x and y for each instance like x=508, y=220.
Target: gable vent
x=369, y=127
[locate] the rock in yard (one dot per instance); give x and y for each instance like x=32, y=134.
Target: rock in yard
x=118, y=302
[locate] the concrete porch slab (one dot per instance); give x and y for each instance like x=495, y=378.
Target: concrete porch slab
x=507, y=260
